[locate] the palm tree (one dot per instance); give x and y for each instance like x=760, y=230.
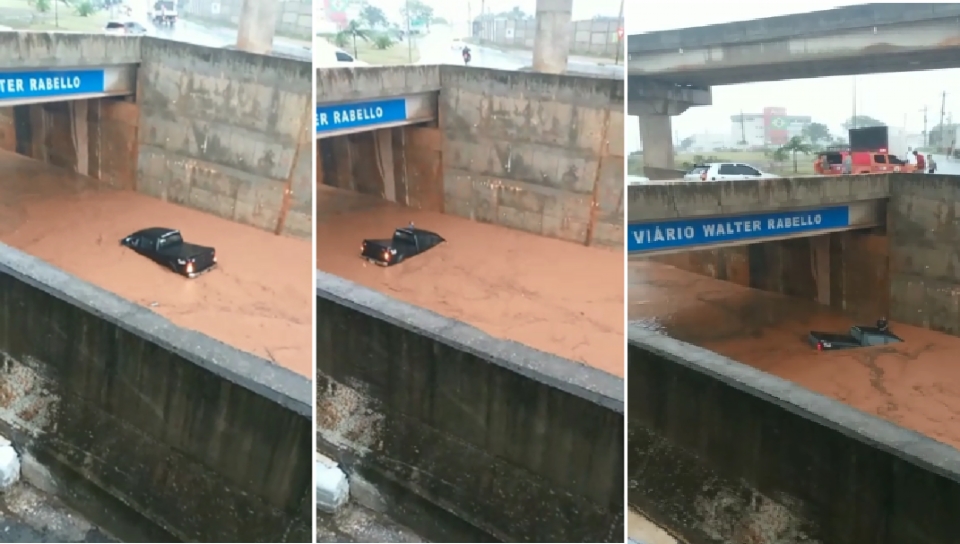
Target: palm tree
x=353, y=30
x=794, y=146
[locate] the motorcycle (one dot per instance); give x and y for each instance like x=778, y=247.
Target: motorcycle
x=466, y=57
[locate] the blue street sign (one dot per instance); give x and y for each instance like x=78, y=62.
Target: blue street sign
x=45, y=84
x=360, y=114
x=680, y=233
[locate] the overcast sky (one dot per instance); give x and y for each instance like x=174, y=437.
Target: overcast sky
x=893, y=98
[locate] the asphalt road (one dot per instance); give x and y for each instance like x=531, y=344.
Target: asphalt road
x=947, y=166
x=441, y=47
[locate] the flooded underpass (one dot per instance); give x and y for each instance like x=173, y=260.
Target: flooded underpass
x=555, y=296
x=76, y=223
x=155, y=407
x=911, y=384
x=484, y=373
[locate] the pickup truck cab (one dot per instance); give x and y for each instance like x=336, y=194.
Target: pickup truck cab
x=167, y=248
x=406, y=242
x=860, y=336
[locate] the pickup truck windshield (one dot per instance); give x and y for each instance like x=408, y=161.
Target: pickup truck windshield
x=405, y=237
x=169, y=240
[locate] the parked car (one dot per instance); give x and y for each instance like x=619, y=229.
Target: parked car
x=326, y=55
x=860, y=336
x=125, y=28
x=722, y=171
x=167, y=248
x=406, y=242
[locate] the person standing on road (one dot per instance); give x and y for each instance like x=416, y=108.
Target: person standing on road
x=931, y=165
x=847, y=164
x=920, y=162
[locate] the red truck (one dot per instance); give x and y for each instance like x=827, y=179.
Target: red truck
x=869, y=153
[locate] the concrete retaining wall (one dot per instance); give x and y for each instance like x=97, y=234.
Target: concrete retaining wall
x=535, y=152
x=207, y=443
x=229, y=133
x=451, y=424
x=924, y=252
x=650, y=202
x=722, y=453
x=364, y=83
x=27, y=49
x=96, y=138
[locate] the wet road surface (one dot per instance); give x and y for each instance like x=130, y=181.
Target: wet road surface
x=915, y=384
x=258, y=300
x=555, y=296
x=26, y=515
x=437, y=48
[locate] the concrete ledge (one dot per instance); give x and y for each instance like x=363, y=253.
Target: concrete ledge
x=63, y=49
x=789, y=26
x=653, y=201
x=478, y=427
x=715, y=445
x=350, y=84
x=164, y=420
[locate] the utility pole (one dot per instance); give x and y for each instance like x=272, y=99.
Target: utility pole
x=483, y=20
x=943, y=110
x=620, y=26
x=854, y=101
x=926, y=140
x=406, y=10
x=743, y=130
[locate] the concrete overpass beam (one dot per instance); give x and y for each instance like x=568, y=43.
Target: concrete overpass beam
x=257, y=25
x=656, y=131
x=551, y=45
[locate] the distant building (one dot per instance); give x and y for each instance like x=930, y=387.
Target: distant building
x=772, y=127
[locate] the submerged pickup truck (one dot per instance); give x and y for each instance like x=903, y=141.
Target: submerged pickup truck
x=860, y=336
x=167, y=248
x=406, y=242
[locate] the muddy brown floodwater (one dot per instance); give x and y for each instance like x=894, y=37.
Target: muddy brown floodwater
x=915, y=384
x=555, y=296
x=258, y=300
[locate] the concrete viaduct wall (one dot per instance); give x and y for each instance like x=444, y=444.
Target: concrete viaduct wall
x=417, y=174
x=722, y=453
x=96, y=137
x=467, y=434
x=906, y=271
x=535, y=152
x=160, y=433
x=229, y=133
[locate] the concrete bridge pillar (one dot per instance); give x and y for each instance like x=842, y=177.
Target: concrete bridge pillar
x=257, y=25
x=551, y=45
x=656, y=131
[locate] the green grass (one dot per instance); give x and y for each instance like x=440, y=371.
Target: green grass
x=757, y=159
x=22, y=15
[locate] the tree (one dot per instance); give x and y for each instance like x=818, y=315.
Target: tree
x=816, y=133
x=686, y=143
x=373, y=16
x=417, y=11
x=352, y=31
x=863, y=121
x=794, y=146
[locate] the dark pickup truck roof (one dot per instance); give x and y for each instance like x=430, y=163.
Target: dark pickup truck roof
x=155, y=232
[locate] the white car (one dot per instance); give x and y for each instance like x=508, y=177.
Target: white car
x=125, y=28
x=722, y=171
x=326, y=55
